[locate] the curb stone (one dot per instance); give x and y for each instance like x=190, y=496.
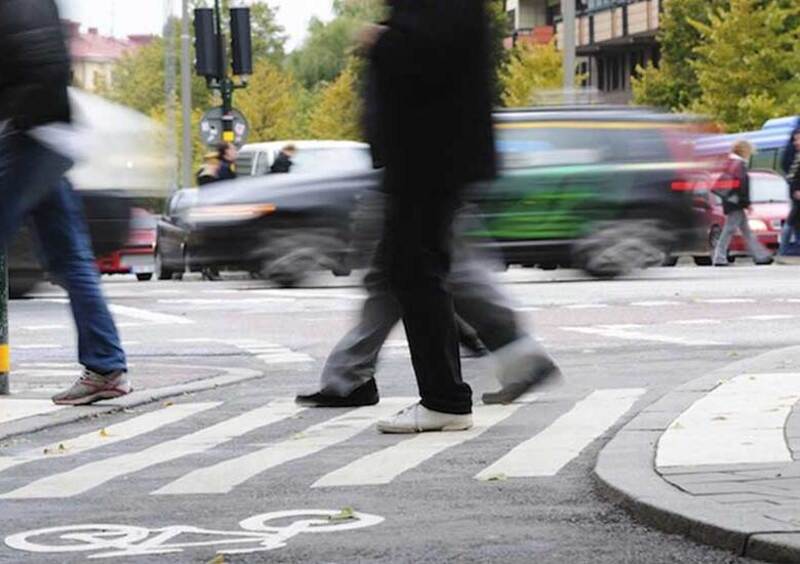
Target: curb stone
x=625, y=473
x=36, y=423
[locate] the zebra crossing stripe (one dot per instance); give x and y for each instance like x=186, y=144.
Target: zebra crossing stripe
x=385, y=465
x=552, y=449
x=109, y=435
x=95, y=474
x=13, y=409
x=225, y=476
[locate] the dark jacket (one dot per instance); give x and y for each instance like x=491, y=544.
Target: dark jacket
x=735, y=182
x=282, y=164
x=790, y=152
x=34, y=64
x=226, y=171
x=432, y=92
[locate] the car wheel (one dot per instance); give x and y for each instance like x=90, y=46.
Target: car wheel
x=669, y=260
x=620, y=247
x=161, y=272
x=288, y=271
x=549, y=266
x=144, y=276
x=702, y=261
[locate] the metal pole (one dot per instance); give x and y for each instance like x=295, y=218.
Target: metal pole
x=5, y=364
x=568, y=47
x=226, y=84
x=186, y=97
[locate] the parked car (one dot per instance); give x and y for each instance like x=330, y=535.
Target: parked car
x=769, y=193
x=597, y=188
x=137, y=256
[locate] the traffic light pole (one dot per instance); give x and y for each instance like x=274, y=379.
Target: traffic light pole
x=226, y=85
x=5, y=363
x=568, y=47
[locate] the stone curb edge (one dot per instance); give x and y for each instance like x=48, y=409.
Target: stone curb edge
x=625, y=474
x=135, y=399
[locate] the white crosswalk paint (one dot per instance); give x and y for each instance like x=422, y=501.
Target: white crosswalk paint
x=552, y=449
x=655, y=303
x=586, y=306
x=630, y=335
x=727, y=301
x=112, y=434
x=95, y=474
x=767, y=317
x=13, y=409
x=739, y=422
x=225, y=476
x=136, y=313
x=385, y=465
x=695, y=322
x=271, y=353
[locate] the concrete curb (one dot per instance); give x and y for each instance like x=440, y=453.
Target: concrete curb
x=70, y=415
x=625, y=473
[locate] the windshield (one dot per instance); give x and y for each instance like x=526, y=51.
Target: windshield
x=765, y=189
x=316, y=161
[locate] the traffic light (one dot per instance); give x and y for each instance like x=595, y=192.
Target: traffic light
x=240, y=42
x=206, y=44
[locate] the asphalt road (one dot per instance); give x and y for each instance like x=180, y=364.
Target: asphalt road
x=194, y=470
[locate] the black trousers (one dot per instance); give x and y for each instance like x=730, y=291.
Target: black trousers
x=415, y=255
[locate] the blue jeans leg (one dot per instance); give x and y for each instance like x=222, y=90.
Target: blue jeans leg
x=66, y=247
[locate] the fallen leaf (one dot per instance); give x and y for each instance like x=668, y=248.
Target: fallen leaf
x=344, y=515
x=104, y=433
x=497, y=478
x=168, y=403
x=218, y=559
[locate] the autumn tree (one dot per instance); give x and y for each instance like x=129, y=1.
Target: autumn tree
x=531, y=68
x=337, y=113
x=271, y=103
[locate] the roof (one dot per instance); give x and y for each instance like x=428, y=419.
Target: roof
x=91, y=46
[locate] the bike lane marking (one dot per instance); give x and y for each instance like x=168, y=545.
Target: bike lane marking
x=385, y=465
x=225, y=476
x=109, y=435
x=741, y=421
x=550, y=450
x=94, y=474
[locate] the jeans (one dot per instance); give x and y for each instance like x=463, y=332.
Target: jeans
x=60, y=227
x=737, y=220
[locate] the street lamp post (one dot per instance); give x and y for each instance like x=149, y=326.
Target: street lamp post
x=568, y=46
x=186, y=97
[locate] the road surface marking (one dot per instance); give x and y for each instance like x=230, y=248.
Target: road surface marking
x=35, y=347
x=739, y=422
x=586, y=306
x=109, y=435
x=225, y=476
x=727, y=301
x=616, y=333
x=695, y=322
x=52, y=327
x=13, y=409
x=385, y=465
x=654, y=304
x=271, y=353
x=152, y=316
x=552, y=449
x=767, y=317
x=95, y=474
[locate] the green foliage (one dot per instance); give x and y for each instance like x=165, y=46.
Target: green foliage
x=674, y=83
x=747, y=63
x=530, y=69
x=337, y=112
x=498, y=31
x=271, y=103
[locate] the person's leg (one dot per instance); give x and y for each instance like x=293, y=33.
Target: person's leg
x=66, y=247
x=787, y=233
x=758, y=251
x=732, y=221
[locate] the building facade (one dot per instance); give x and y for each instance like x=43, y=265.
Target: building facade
x=613, y=37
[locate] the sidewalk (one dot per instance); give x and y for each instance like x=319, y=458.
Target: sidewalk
x=29, y=409
x=718, y=459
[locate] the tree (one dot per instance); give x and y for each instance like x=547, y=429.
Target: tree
x=746, y=64
x=271, y=103
x=499, y=56
x=531, y=68
x=337, y=113
x=673, y=84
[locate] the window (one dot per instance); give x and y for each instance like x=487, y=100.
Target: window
x=764, y=159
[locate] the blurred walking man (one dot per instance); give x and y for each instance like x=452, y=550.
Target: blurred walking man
x=430, y=64
x=34, y=146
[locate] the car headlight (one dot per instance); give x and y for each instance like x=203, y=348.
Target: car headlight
x=229, y=212
x=757, y=225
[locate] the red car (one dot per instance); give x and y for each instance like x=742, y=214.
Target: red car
x=769, y=194
x=136, y=257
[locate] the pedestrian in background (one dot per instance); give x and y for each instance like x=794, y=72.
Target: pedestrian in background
x=36, y=143
x=283, y=162
x=791, y=226
x=219, y=165
x=734, y=190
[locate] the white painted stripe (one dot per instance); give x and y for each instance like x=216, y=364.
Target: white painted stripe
x=727, y=301
x=152, y=316
x=52, y=327
x=767, y=317
x=109, y=435
x=552, y=449
x=695, y=322
x=385, y=465
x=655, y=304
x=225, y=476
x=529, y=308
x=739, y=422
x=586, y=306
x=623, y=326
x=13, y=409
x=639, y=336
x=95, y=474
x=35, y=347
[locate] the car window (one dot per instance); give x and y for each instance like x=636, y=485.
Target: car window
x=768, y=188
x=143, y=221
x=764, y=159
x=313, y=161
x=244, y=163
x=262, y=164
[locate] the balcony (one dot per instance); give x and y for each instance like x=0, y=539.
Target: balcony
x=539, y=35
x=618, y=24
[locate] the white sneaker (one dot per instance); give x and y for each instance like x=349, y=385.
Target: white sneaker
x=418, y=418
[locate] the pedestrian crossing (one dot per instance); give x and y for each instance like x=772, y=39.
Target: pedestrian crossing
x=543, y=453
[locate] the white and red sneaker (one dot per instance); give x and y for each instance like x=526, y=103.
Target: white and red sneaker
x=92, y=387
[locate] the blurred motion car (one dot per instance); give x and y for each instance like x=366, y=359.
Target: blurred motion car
x=769, y=194
x=172, y=235
x=312, y=157
x=137, y=256
x=600, y=188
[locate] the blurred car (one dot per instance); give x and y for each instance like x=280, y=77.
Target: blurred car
x=769, y=193
x=137, y=256
x=597, y=188
x=312, y=157
x=172, y=235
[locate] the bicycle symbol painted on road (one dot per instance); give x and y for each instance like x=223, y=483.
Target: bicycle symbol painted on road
x=259, y=533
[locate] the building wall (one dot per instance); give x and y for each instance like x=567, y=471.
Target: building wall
x=89, y=75
x=528, y=13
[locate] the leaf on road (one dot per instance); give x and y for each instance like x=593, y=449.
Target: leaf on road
x=344, y=515
x=218, y=559
x=104, y=433
x=60, y=449
x=168, y=403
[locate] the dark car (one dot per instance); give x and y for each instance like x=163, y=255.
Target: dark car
x=599, y=189
x=136, y=256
